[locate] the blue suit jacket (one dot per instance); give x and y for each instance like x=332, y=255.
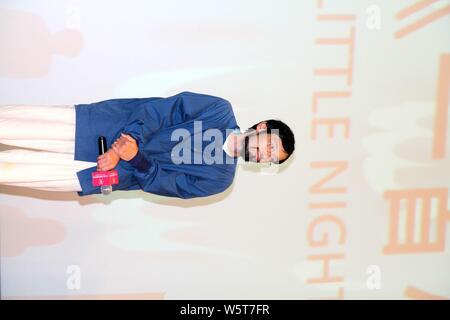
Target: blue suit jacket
x=151, y=121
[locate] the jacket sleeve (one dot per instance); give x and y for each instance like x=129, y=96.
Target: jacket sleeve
x=154, y=179
x=159, y=113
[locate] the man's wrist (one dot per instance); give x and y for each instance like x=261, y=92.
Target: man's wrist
x=114, y=151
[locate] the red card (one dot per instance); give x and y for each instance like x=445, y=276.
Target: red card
x=105, y=178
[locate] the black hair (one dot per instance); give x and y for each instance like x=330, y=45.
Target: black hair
x=284, y=132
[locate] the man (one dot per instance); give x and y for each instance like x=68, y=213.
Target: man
x=147, y=137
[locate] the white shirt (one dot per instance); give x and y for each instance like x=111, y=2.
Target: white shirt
x=225, y=145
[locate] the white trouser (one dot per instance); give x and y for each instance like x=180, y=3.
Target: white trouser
x=50, y=130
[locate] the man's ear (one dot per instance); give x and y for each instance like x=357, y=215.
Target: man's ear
x=261, y=126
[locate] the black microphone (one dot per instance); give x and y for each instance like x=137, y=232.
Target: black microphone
x=102, y=148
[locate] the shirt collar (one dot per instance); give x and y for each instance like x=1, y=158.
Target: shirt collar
x=226, y=141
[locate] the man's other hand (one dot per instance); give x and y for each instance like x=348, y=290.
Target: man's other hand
x=107, y=161
x=126, y=147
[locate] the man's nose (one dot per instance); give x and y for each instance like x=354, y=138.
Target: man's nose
x=264, y=156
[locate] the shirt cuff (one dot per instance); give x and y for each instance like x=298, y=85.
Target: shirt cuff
x=140, y=162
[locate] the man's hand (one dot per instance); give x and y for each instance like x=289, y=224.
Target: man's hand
x=108, y=160
x=126, y=147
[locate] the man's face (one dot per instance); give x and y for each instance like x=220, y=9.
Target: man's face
x=263, y=148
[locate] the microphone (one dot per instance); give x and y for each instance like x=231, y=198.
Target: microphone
x=104, y=179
